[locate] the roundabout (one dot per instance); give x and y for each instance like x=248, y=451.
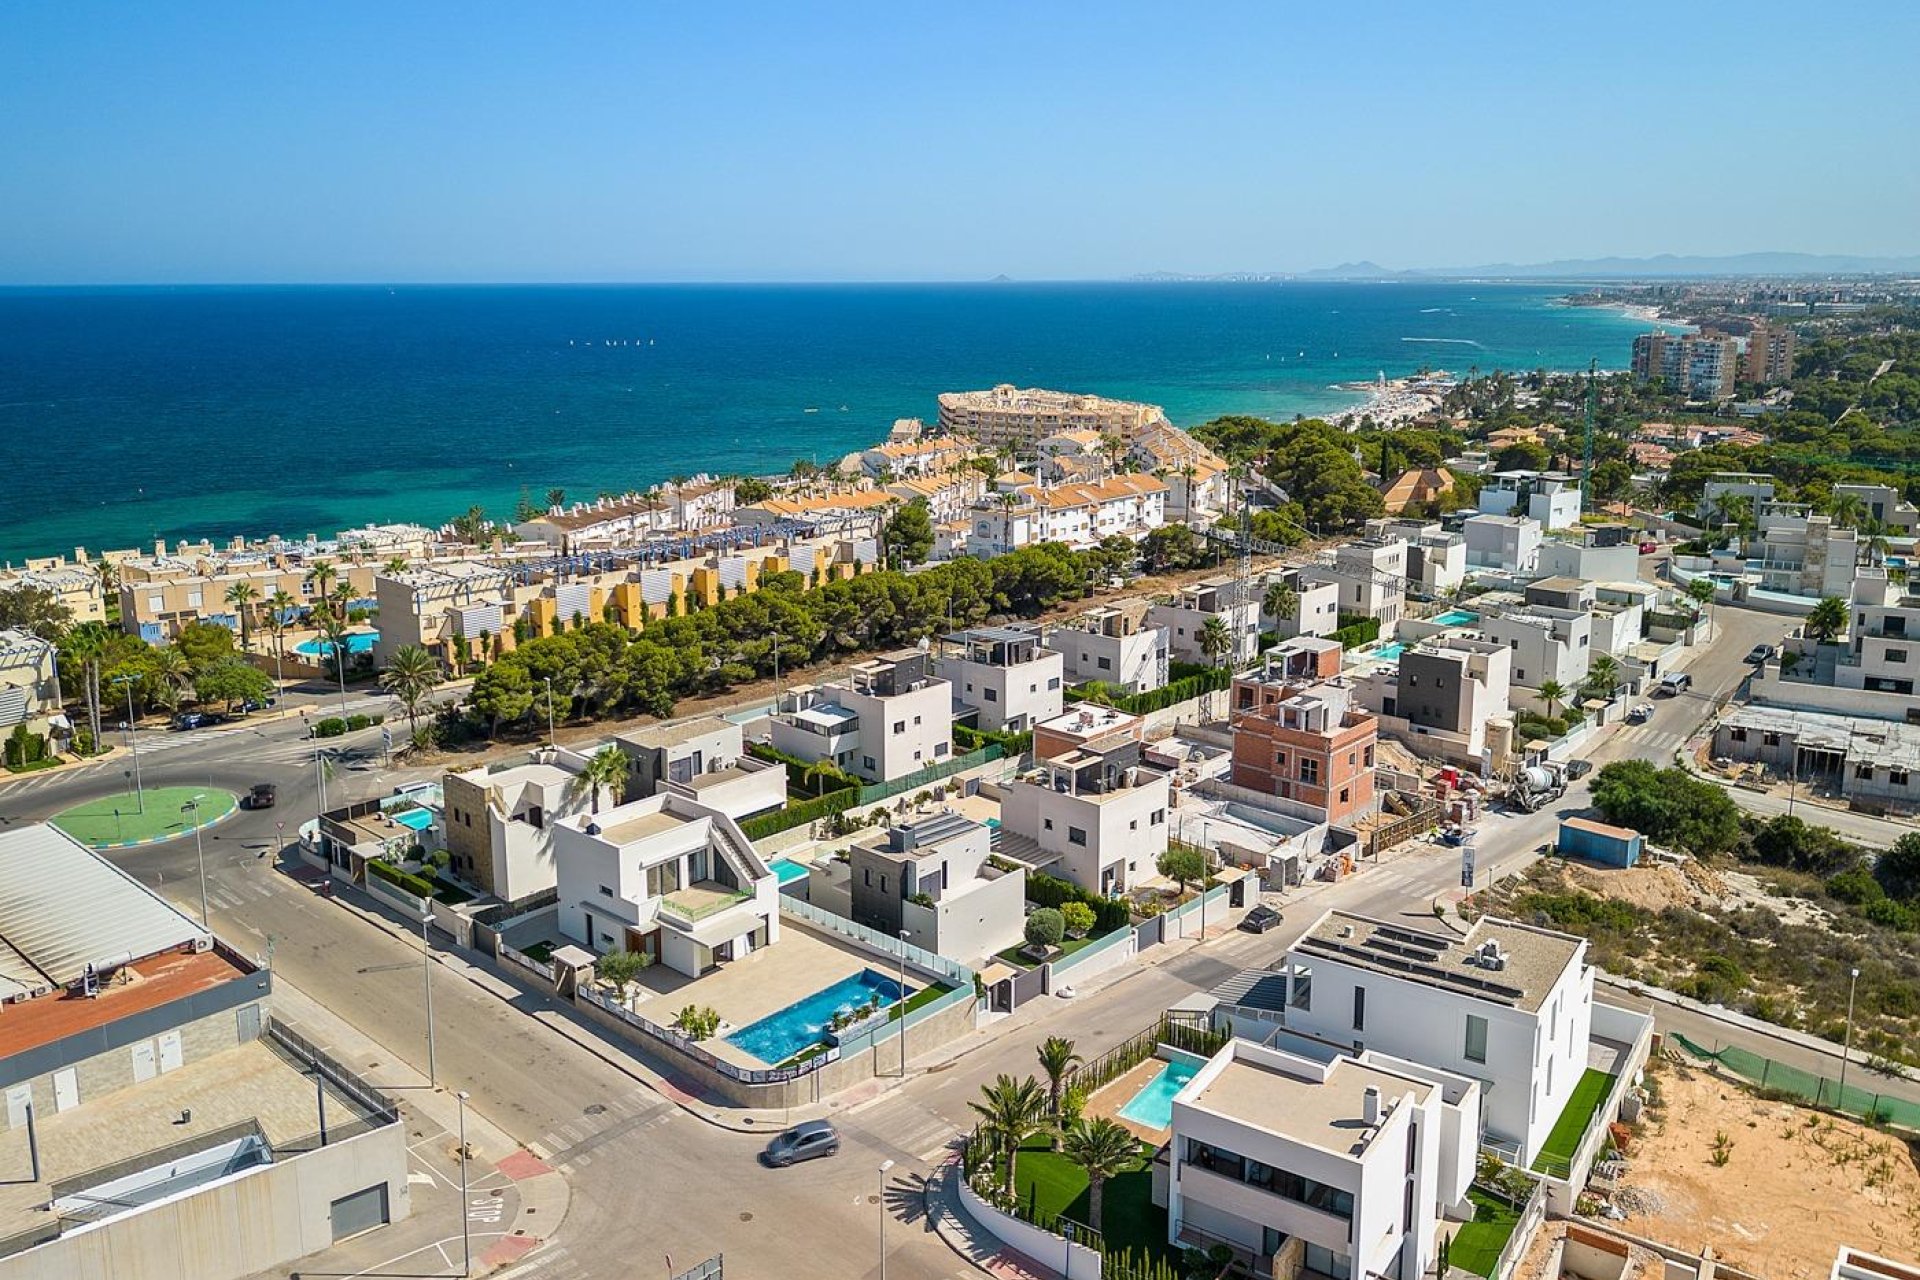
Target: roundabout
x=157, y=814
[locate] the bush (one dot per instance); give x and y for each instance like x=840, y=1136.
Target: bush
x=1046, y=928
x=1012, y=744
x=357, y=721
x=1355, y=631
x=1078, y=917
x=25, y=748
x=1109, y=914
x=416, y=885
x=794, y=815
x=331, y=727
x=1176, y=691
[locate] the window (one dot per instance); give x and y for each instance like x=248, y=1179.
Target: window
x=1343, y=795
x=1897, y=777
x=1864, y=772
x=1133, y=824
x=1368, y=753
x=1046, y=824
x=1076, y=835
x=1520, y=673
x=867, y=762
x=1309, y=770
x=993, y=695
x=1053, y=684
x=916, y=719
x=1770, y=739
x=939, y=749
x=1476, y=1048
x=1359, y=1008
x=605, y=892
x=1896, y=655
x=899, y=726
x=1738, y=735
x=883, y=882
x=866, y=876
x=1157, y=818
x=1105, y=664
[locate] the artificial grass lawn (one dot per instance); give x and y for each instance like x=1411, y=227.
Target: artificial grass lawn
x=1572, y=1124
x=1013, y=957
x=93, y=823
x=1053, y=1184
x=1477, y=1245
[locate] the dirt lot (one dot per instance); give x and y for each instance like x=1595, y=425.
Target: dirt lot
x=1795, y=1185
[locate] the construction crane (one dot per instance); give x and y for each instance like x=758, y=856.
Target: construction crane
x=1586, y=467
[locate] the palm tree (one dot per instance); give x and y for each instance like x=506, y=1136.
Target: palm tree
x=90, y=642
x=1551, y=691
x=411, y=677
x=607, y=767
x=1827, y=619
x=1873, y=540
x=819, y=773
x=340, y=599
x=1280, y=602
x=1847, y=510
x=321, y=574
x=280, y=607
x=396, y=565
x=1700, y=591
x=1604, y=673
x=1058, y=1060
x=1103, y=1149
x=556, y=498
x=241, y=596
x=1011, y=1111
x=169, y=666
x=1216, y=641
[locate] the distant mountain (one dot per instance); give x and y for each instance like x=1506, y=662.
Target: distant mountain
x=1662, y=266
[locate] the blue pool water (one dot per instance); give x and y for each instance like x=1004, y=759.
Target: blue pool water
x=1457, y=617
x=418, y=819
x=1153, y=1105
x=803, y=1024
x=357, y=642
x=1390, y=652
x=788, y=870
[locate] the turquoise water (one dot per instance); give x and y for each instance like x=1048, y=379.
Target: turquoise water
x=418, y=819
x=231, y=400
x=1153, y=1105
x=357, y=642
x=803, y=1024
x=1456, y=617
x=1390, y=652
x=787, y=869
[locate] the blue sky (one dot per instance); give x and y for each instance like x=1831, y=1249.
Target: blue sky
x=206, y=142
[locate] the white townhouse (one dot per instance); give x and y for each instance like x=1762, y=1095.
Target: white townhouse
x=1002, y=676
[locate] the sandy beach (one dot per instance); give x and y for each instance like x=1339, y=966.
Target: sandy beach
x=1392, y=401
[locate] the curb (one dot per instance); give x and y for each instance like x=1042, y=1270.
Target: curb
x=135, y=844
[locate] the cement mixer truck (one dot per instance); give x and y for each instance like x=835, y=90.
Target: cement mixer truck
x=1535, y=785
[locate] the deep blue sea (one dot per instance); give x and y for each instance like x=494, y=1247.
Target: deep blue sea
x=130, y=414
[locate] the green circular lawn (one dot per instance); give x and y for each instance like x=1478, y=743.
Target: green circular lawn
x=155, y=815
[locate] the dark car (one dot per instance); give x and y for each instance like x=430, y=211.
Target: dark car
x=1260, y=919
x=189, y=720
x=262, y=796
x=813, y=1140
x=1577, y=769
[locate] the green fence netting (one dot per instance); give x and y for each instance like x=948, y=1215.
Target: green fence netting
x=1823, y=1091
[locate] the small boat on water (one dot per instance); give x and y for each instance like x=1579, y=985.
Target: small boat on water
x=812, y=408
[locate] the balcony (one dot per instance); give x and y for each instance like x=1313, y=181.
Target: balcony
x=700, y=901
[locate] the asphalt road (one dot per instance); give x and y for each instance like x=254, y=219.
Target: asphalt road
x=647, y=1179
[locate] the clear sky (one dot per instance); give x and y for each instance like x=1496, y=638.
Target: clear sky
x=404, y=140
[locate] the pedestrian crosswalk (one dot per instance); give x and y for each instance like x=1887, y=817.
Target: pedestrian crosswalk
x=903, y=1127
x=1649, y=740
x=548, y=1262
x=576, y=1143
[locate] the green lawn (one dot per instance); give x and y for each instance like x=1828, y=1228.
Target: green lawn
x=1052, y=1184
x=94, y=823
x=1013, y=957
x=1477, y=1245
x=1572, y=1125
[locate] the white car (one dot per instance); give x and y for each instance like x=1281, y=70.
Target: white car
x=1640, y=714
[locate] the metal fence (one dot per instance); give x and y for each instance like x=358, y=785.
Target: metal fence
x=1766, y=1073
x=544, y=969
x=919, y=957
x=1532, y=1214
x=713, y=1268
x=349, y=1082
x=931, y=774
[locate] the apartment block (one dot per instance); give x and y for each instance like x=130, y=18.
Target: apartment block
x=440, y=606
x=1799, y=553
x=1090, y=810
x=890, y=717
x=1508, y=1004
x=1186, y=614
x=666, y=877
x=1768, y=359
x=1447, y=689
x=599, y=525
x=704, y=760
x=1550, y=498
x=1003, y=678
x=75, y=584
x=1547, y=643
x=499, y=820
x=1303, y=739
x=29, y=682
x=1880, y=502
x=930, y=879
x=1112, y=643
x=1510, y=544
x=1004, y=522
x=1721, y=485
x=1883, y=637
x=1371, y=576
x=1309, y=1166
x=1008, y=415
x=1701, y=366
x=161, y=594
x=925, y=456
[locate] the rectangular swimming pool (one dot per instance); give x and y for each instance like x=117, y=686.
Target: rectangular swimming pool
x=803, y=1024
x=1457, y=617
x=1390, y=652
x=418, y=819
x=787, y=869
x=1153, y=1105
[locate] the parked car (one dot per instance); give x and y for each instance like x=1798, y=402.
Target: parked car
x=189, y=720
x=1676, y=683
x=262, y=796
x=1649, y=548
x=1577, y=769
x=1640, y=714
x=257, y=704
x=1760, y=653
x=1260, y=919
x=812, y=1140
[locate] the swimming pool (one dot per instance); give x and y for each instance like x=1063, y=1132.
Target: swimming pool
x=1456, y=617
x=418, y=819
x=803, y=1024
x=1390, y=652
x=787, y=869
x=1153, y=1105
x=357, y=642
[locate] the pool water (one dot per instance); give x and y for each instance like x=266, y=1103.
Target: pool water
x=1390, y=652
x=357, y=642
x=1153, y=1105
x=418, y=819
x=1457, y=617
x=787, y=869
x=803, y=1024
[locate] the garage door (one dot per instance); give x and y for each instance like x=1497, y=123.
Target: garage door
x=361, y=1211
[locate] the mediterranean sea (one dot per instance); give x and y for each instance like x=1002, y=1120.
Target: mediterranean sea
x=140, y=413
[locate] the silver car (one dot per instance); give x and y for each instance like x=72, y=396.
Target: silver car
x=812, y=1140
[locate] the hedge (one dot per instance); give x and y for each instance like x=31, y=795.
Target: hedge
x=766, y=824
x=1013, y=744
x=413, y=884
x=797, y=770
x=1174, y=692
x=1050, y=891
x=1357, y=631
x=331, y=727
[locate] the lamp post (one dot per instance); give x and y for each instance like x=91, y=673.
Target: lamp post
x=426, y=974
x=903, y=1004
x=884, y=1166
x=133, y=743
x=1846, y=1049
x=466, y=1229
x=200, y=855
x=549, y=680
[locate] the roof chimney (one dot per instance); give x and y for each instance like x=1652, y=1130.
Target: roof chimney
x=1370, y=1105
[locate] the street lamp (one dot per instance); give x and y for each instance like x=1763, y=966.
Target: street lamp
x=426, y=973
x=549, y=680
x=200, y=854
x=1846, y=1050
x=903, y=1003
x=466, y=1230
x=133, y=743
x=884, y=1166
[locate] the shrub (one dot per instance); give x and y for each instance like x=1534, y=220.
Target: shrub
x=696, y=1023
x=1355, y=631
x=1044, y=890
x=416, y=885
x=1046, y=928
x=794, y=815
x=357, y=721
x=1078, y=917
x=621, y=967
x=331, y=727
